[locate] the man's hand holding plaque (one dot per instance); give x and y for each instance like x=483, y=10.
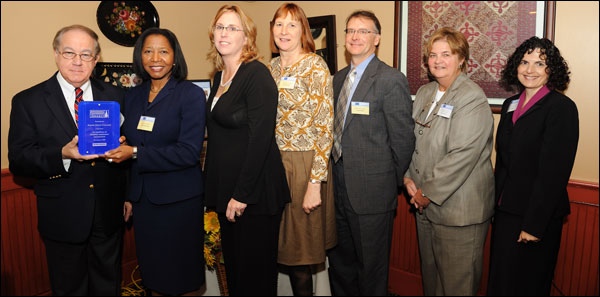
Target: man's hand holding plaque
x=71, y=151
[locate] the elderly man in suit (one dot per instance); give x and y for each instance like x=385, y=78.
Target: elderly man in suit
x=373, y=142
x=80, y=199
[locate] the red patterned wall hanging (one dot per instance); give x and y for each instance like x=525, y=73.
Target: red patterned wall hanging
x=494, y=29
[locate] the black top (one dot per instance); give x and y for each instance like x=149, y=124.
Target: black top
x=242, y=159
x=534, y=159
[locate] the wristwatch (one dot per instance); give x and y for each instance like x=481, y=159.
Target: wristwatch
x=134, y=155
x=315, y=181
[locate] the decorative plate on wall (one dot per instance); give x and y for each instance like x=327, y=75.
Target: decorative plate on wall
x=124, y=21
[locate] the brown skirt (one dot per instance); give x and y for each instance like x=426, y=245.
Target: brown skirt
x=303, y=238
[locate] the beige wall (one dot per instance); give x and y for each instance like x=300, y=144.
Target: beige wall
x=577, y=39
x=28, y=29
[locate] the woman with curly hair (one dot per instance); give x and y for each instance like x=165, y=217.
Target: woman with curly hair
x=536, y=145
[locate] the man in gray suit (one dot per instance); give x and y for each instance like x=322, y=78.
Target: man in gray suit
x=373, y=144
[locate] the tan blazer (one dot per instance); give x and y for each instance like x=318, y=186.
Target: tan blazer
x=451, y=162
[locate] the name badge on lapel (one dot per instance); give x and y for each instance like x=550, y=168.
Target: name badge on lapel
x=287, y=83
x=146, y=123
x=445, y=111
x=513, y=105
x=360, y=108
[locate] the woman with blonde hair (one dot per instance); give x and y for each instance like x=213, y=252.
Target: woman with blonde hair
x=450, y=178
x=245, y=179
x=304, y=136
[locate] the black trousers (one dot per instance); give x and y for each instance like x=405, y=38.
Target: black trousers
x=89, y=268
x=250, y=254
x=359, y=264
x=522, y=269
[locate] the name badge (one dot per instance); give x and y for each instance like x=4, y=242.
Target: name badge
x=146, y=123
x=445, y=111
x=287, y=83
x=513, y=105
x=360, y=108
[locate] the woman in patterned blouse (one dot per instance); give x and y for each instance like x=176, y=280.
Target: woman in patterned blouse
x=304, y=134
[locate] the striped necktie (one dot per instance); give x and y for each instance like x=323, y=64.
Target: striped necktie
x=78, y=98
x=338, y=122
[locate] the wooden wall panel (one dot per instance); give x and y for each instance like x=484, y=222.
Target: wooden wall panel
x=24, y=268
x=577, y=266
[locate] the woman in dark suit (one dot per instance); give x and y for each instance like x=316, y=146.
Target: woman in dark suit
x=536, y=145
x=164, y=130
x=245, y=179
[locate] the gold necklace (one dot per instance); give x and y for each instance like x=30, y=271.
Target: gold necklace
x=231, y=78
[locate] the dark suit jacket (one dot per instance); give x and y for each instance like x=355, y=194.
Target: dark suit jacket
x=167, y=168
x=40, y=125
x=534, y=159
x=377, y=148
x=243, y=160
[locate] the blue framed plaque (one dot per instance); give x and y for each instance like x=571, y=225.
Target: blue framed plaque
x=98, y=127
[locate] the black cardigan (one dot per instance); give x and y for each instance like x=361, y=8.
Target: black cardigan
x=243, y=160
x=534, y=159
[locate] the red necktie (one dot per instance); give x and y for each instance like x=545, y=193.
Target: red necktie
x=78, y=98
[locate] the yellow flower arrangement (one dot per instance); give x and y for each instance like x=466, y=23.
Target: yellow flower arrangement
x=212, y=239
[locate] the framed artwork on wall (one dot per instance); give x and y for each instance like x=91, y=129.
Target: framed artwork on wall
x=117, y=74
x=493, y=29
x=204, y=84
x=124, y=21
x=323, y=33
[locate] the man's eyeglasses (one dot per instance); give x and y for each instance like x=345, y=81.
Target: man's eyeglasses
x=84, y=56
x=219, y=28
x=359, y=31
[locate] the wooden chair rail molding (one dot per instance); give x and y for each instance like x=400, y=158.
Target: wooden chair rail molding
x=24, y=270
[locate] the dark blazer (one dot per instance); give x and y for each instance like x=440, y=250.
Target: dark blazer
x=243, y=160
x=40, y=125
x=167, y=168
x=534, y=159
x=377, y=148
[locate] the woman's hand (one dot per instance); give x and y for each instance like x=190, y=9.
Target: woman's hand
x=127, y=210
x=525, y=237
x=420, y=201
x=234, y=208
x=312, y=198
x=410, y=185
x=417, y=199
x=120, y=154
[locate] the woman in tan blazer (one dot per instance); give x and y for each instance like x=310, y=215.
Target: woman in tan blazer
x=450, y=179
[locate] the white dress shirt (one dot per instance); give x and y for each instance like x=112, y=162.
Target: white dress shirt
x=69, y=95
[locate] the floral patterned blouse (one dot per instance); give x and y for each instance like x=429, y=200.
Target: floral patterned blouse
x=305, y=112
